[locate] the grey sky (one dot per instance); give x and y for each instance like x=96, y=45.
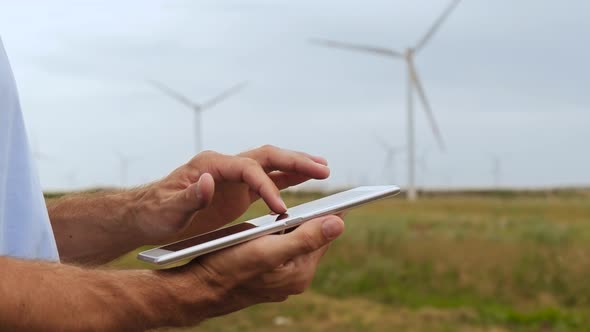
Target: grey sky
x=504, y=77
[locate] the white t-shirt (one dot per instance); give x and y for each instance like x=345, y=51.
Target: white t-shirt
x=25, y=230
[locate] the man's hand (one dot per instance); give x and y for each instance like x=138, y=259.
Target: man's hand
x=42, y=296
x=213, y=189
x=206, y=193
x=268, y=269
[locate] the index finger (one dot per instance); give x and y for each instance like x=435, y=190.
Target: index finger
x=248, y=171
x=275, y=159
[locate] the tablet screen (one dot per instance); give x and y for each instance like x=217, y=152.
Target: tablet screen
x=253, y=228
x=193, y=241
x=317, y=207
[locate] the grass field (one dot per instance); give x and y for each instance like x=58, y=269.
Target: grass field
x=462, y=262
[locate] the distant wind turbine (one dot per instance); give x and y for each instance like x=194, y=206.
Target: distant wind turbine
x=72, y=178
x=198, y=108
x=124, y=162
x=497, y=171
x=422, y=165
x=391, y=153
x=413, y=83
x=36, y=150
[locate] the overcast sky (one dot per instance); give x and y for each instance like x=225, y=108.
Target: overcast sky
x=505, y=78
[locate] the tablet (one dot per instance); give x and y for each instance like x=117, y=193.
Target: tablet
x=269, y=224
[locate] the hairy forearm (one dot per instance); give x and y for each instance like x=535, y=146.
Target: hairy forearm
x=39, y=296
x=94, y=228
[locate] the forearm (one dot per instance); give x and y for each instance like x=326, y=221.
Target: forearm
x=38, y=296
x=94, y=228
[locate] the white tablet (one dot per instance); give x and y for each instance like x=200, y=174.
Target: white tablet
x=251, y=229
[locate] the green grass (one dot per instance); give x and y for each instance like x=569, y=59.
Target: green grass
x=503, y=261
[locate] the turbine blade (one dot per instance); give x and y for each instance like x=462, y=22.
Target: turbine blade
x=436, y=25
x=425, y=103
x=173, y=94
x=224, y=95
x=357, y=47
x=389, y=159
x=383, y=143
x=119, y=155
x=399, y=149
x=43, y=156
x=36, y=151
x=133, y=159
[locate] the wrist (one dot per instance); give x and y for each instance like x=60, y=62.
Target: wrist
x=155, y=299
x=152, y=215
x=131, y=208
x=95, y=228
x=191, y=298
x=130, y=300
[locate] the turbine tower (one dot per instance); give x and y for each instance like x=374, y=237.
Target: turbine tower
x=71, y=178
x=198, y=108
x=422, y=166
x=496, y=171
x=124, y=162
x=391, y=153
x=36, y=151
x=413, y=84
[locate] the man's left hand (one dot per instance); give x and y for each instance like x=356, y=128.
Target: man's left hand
x=213, y=189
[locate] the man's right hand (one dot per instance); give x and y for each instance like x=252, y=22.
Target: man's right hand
x=268, y=269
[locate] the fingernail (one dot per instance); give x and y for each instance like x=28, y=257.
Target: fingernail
x=332, y=228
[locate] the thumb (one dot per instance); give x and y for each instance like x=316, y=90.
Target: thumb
x=198, y=195
x=307, y=238
x=266, y=253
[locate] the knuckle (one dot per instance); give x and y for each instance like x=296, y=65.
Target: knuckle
x=281, y=298
x=202, y=156
x=299, y=290
x=190, y=195
x=253, y=173
x=253, y=164
x=289, y=268
x=263, y=259
x=207, y=154
x=299, y=287
x=268, y=148
x=292, y=162
x=308, y=242
x=249, y=162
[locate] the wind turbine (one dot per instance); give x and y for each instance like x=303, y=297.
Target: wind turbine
x=71, y=178
x=496, y=171
x=423, y=166
x=36, y=151
x=413, y=83
x=198, y=108
x=124, y=162
x=391, y=153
